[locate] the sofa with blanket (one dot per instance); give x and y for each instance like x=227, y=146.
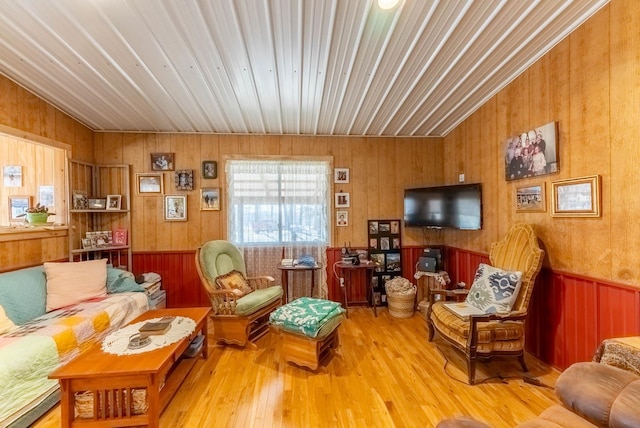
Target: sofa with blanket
x=49, y=314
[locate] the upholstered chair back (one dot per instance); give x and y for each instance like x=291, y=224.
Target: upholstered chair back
x=520, y=251
x=218, y=258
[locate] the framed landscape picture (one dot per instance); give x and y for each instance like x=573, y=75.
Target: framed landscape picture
x=18, y=206
x=530, y=198
x=149, y=184
x=210, y=199
x=576, y=197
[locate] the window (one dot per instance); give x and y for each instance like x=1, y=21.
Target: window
x=278, y=201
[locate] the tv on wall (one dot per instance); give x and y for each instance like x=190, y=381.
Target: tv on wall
x=457, y=206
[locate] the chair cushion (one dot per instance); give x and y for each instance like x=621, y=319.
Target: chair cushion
x=492, y=336
x=258, y=299
x=234, y=281
x=494, y=290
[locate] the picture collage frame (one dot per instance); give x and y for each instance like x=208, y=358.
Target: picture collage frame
x=385, y=244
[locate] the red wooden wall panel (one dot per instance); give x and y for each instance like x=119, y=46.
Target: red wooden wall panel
x=569, y=315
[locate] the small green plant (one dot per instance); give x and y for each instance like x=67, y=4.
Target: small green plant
x=38, y=209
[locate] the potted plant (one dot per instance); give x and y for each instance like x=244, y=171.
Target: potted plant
x=37, y=214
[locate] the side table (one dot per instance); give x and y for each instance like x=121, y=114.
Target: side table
x=368, y=267
x=297, y=268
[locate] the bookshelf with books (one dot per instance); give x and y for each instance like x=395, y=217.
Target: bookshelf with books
x=97, y=229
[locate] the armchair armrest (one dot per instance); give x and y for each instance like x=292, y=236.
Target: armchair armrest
x=223, y=302
x=259, y=282
x=474, y=320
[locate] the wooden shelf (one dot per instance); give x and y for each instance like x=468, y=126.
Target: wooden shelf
x=93, y=250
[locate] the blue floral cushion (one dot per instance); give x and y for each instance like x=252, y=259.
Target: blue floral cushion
x=494, y=290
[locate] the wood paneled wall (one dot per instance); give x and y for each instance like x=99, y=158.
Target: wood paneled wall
x=25, y=115
x=590, y=84
x=379, y=168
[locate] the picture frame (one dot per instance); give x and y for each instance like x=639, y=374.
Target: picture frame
x=395, y=227
x=342, y=200
x=149, y=184
x=79, y=200
x=576, y=197
x=341, y=175
x=87, y=243
x=175, y=208
x=162, y=161
x=532, y=153
x=209, y=169
x=531, y=198
x=210, y=199
x=342, y=218
x=184, y=179
x=12, y=175
x=46, y=196
x=96, y=203
x=114, y=202
x=18, y=205
x=120, y=237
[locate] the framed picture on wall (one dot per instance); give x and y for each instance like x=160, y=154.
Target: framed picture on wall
x=149, y=184
x=184, y=179
x=342, y=200
x=530, y=198
x=210, y=199
x=532, y=153
x=341, y=175
x=162, y=161
x=342, y=218
x=576, y=197
x=209, y=169
x=18, y=206
x=12, y=175
x=175, y=208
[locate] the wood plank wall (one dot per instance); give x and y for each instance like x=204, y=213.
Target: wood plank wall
x=590, y=85
x=380, y=168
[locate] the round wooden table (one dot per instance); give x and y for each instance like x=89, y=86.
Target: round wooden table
x=297, y=268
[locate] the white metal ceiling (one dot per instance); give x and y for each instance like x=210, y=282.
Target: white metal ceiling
x=324, y=67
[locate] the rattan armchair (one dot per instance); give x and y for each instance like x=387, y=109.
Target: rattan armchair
x=236, y=320
x=483, y=336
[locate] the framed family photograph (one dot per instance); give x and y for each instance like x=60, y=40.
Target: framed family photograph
x=184, y=179
x=341, y=175
x=342, y=200
x=210, y=199
x=530, y=198
x=532, y=153
x=175, y=208
x=209, y=169
x=342, y=218
x=162, y=161
x=149, y=184
x=18, y=206
x=114, y=202
x=576, y=197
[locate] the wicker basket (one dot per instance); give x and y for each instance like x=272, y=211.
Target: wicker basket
x=401, y=295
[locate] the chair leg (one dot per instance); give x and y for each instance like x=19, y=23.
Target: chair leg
x=430, y=330
x=471, y=368
x=523, y=363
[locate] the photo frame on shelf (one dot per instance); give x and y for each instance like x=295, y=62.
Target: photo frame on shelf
x=342, y=200
x=12, y=175
x=576, y=197
x=18, y=206
x=120, y=237
x=79, y=200
x=210, y=199
x=114, y=202
x=184, y=179
x=149, y=184
x=342, y=218
x=175, y=208
x=531, y=198
x=341, y=175
x=96, y=203
x=209, y=169
x=162, y=161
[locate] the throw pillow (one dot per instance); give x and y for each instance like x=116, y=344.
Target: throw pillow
x=74, y=282
x=234, y=281
x=23, y=294
x=494, y=290
x=121, y=281
x=6, y=325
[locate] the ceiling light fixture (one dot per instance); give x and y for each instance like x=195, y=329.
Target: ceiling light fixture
x=387, y=4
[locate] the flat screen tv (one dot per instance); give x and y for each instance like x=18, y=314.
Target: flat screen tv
x=457, y=206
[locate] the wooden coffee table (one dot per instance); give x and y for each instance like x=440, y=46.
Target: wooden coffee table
x=118, y=379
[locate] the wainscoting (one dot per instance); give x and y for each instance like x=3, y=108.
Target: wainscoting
x=569, y=314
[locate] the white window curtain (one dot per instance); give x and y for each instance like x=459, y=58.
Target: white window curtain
x=279, y=209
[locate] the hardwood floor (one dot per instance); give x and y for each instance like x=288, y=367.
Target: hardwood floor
x=384, y=374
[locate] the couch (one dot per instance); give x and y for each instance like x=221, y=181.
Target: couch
x=48, y=315
x=604, y=392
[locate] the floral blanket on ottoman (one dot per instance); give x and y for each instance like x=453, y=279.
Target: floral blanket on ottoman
x=306, y=315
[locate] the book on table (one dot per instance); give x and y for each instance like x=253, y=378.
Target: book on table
x=156, y=327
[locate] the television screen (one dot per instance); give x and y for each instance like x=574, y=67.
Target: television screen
x=457, y=206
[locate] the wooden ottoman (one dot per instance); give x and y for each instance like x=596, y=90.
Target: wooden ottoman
x=303, y=347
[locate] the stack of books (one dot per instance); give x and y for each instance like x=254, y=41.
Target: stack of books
x=153, y=287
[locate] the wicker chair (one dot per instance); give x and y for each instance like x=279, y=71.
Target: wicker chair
x=483, y=336
x=236, y=320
